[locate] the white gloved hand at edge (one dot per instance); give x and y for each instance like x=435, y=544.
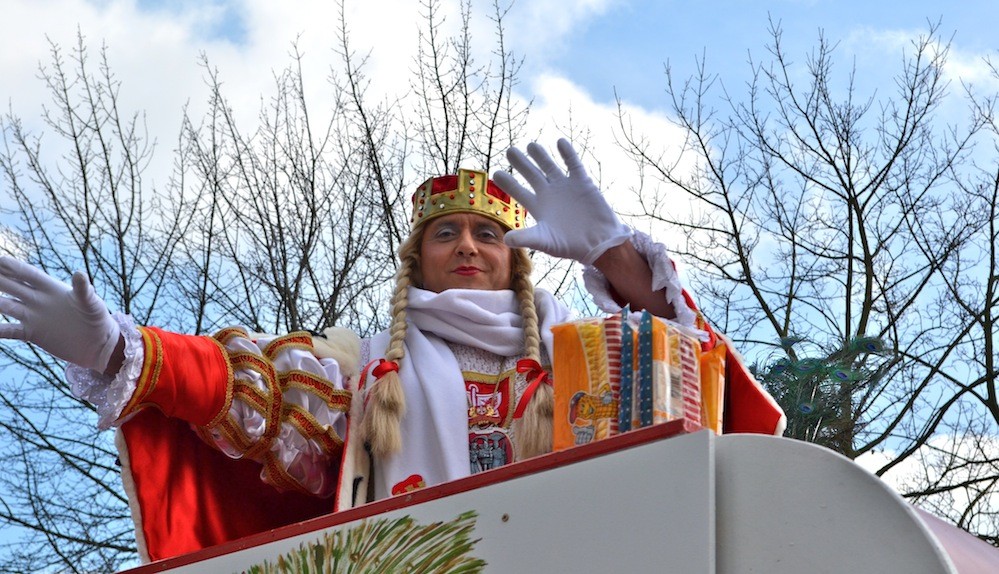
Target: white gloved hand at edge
x=71, y=323
x=573, y=220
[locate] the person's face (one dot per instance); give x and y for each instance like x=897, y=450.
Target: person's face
x=464, y=251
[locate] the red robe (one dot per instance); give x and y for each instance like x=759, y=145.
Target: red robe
x=185, y=495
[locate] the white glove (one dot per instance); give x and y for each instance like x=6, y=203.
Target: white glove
x=71, y=323
x=573, y=219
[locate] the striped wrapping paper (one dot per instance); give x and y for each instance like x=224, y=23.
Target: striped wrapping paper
x=627, y=393
x=612, y=343
x=612, y=374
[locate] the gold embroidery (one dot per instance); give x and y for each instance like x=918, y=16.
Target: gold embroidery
x=265, y=396
x=309, y=427
x=152, y=366
x=297, y=340
x=229, y=384
x=336, y=399
x=225, y=335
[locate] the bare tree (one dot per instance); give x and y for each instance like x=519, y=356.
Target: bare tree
x=466, y=109
x=77, y=203
x=291, y=232
x=287, y=223
x=830, y=232
x=957, y=445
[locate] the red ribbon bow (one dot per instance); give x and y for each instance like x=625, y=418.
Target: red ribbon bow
x=381, y=369
x=536, y=376
x=384, y=367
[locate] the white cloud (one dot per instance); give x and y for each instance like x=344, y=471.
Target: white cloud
x=563, y=109
x=872, y=461
x=156, y=56
x=971, y=68
x=10, y=244
x=542, y=25
x=884, y=48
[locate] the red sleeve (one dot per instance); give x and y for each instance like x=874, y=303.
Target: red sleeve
x=749, y=408
x=184, y=376
x=186, y=496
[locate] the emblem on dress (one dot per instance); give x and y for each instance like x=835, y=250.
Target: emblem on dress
x=489, y=450
x=409, y=484
x=487, y=403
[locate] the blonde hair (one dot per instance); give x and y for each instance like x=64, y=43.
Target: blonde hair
x=386, y=402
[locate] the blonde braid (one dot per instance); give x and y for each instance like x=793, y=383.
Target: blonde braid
x=533, y=430
x=522, y=286
x=386, y=404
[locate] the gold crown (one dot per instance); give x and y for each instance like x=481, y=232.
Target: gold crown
x=468, y=192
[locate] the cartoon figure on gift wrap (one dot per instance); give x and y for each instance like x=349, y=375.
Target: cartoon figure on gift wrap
x=585, y=409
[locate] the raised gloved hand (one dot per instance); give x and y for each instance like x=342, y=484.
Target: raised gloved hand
x=71, y=323
x=573, y=220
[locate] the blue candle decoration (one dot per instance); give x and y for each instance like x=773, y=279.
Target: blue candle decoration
x=627, y=374
x=645, y=370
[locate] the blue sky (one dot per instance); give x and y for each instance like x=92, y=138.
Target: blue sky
x=625, y=47
x=577, y=54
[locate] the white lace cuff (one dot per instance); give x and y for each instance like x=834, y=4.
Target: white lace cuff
x=110, y=394
x=664, y=276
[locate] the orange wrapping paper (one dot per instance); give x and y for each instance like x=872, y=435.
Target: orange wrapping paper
x=587, y=366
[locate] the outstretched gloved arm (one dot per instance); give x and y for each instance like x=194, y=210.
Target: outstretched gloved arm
x=69, y=322
x=574, y=221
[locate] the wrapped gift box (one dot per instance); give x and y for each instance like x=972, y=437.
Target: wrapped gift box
x=616, y=373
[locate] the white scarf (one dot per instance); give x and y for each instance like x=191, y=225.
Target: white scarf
x=435, y=427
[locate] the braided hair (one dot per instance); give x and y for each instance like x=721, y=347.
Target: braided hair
x=386, y=404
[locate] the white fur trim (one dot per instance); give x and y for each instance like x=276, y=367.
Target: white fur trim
x=128, y=483
x=343, y=346
x=356, y=464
